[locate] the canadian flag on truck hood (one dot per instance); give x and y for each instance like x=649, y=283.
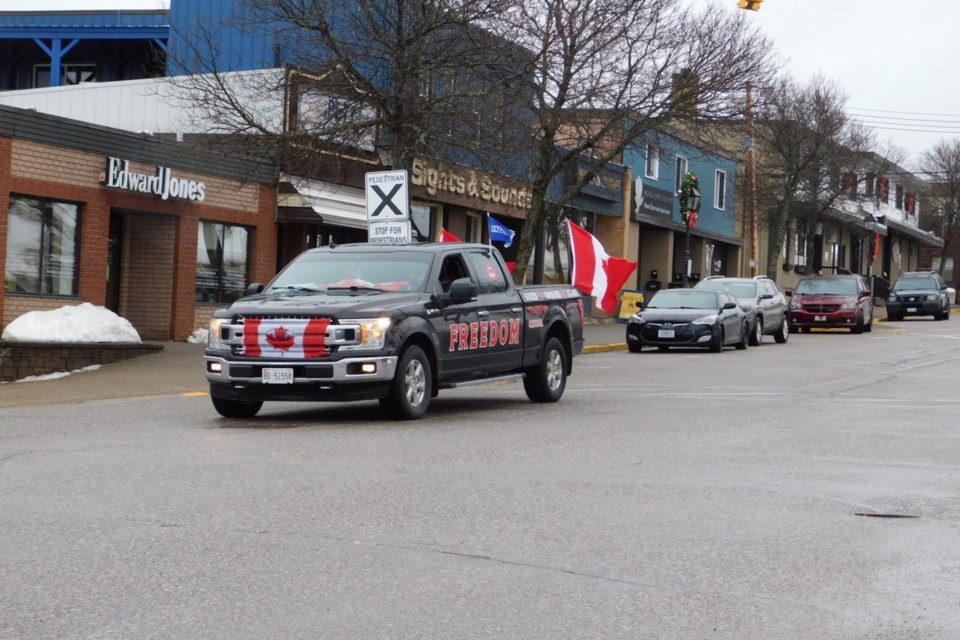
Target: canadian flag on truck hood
x=285, y=337
x=594, y=272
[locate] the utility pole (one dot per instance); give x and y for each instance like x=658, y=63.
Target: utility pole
x=751, y=184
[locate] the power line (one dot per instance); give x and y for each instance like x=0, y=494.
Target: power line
x=915, y=113
x=918, y=120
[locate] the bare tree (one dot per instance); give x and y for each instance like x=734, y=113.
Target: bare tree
x=809, y=150
x=941, y=164
x=607, y=74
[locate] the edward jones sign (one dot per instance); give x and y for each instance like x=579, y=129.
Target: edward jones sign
x=162, y=183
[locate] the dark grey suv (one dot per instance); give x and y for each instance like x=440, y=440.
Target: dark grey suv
x=765, y=306
x=919, y=293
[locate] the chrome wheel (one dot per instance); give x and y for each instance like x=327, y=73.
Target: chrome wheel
x=546, y=381
x=410, y=391
x=554, y=371
x=415, y=382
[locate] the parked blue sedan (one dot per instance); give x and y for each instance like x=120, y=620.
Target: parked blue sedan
x=688, y=318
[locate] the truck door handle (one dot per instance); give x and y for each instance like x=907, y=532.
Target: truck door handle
x=483, y=313
x=516, y=309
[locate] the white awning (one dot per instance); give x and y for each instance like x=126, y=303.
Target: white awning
x=335, y=204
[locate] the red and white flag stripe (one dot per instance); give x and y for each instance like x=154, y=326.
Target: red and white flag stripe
x=594, y=272
x=285, y=337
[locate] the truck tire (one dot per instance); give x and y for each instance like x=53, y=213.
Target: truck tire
x=546, y=381
x=410, y=390
x=235, y=408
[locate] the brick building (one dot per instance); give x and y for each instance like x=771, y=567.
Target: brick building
x=155, y=231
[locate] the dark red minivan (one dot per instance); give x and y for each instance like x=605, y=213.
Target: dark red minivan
x=835, y=301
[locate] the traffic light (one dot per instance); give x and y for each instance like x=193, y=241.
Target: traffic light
x=752, y=5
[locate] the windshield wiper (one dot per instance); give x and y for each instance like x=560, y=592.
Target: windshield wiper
x=355, y=288
x=296, y=288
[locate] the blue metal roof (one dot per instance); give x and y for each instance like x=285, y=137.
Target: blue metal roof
x=105, y=25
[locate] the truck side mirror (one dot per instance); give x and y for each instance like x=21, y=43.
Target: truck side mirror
x=254, y=288
x=462, y=290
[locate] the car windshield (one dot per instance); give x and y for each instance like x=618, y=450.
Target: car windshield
x=915, y=284
x=827, y=287
x=683, y=299
x=362, y=270
x=736, y=289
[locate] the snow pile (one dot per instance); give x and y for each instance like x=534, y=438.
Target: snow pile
x=199, y=336
x=58, y=374
x=82, y=323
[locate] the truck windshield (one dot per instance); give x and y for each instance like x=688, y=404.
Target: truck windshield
x=385, y=271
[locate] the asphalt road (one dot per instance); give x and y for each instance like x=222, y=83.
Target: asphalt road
x=668, y=495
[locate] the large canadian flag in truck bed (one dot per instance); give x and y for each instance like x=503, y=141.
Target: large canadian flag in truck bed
x=285, y=337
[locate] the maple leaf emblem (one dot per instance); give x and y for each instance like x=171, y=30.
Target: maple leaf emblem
x=281, y=339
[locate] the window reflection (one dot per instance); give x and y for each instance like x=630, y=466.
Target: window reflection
x=41, y=247
x=222, y=266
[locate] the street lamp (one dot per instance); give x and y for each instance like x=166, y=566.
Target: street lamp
x=689, y=195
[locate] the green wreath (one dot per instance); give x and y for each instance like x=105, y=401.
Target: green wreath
x=687, y=213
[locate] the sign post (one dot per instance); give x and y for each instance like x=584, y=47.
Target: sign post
x=388, y=207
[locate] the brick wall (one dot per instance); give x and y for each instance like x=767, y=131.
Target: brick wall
x=147, y=283
x=160, y=244
x=22, y=359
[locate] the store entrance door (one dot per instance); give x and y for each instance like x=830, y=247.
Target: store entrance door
x=114, y=262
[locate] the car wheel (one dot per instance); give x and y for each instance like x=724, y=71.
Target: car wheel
x=746, y=336
x=410, y=391
x=783, y=333
x=235, y=408
x=634, y=347
x=869, y=326
x=946, y=314
x=893, y=317
x=756, y=336
x=938, y=316
x=857, y=328
x=546, y=381
x=717, y=345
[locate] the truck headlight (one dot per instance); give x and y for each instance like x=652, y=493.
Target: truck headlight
x=213, y=337
x=373, y=334
x=848, y=306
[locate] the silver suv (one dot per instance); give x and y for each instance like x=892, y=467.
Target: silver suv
x=765, y=306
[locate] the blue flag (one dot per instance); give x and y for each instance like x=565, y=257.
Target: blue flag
x=499, y=232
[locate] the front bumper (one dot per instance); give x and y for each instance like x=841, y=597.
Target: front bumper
x=838, y=318
x=684, y=335
x=347, y=379
x=920, y=308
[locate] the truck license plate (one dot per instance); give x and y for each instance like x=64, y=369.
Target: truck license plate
x=819, y=318
x=666, y=333
x=911, y=309
x=278, y=375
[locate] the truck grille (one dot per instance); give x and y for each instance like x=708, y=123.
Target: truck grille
x=294, y=335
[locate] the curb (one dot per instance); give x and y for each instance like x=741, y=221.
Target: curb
x=604, y=348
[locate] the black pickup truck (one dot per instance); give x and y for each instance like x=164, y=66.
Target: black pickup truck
x=393, y=323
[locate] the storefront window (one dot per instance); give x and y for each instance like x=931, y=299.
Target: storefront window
x=42, y=247
x=423, y=223
x=222, y=251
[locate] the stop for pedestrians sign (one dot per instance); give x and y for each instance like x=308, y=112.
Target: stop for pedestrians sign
x=387, y=196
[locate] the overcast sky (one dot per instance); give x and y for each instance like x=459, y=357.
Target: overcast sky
x=891, y=57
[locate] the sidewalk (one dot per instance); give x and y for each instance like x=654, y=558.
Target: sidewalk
x=178, y=369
